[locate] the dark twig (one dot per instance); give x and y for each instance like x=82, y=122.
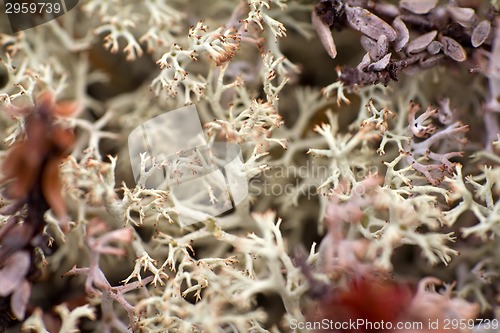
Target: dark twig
x=386, y=29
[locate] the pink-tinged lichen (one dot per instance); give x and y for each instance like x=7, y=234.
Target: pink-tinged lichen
x=368, y=134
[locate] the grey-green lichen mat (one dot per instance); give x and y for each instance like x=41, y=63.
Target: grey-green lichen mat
x=250, y=166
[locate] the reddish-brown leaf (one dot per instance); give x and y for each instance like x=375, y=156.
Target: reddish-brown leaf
x=62, y=139
x=21, y=168
x=65, y=109
x=36, y=160
x=51, y=188
x=370, y=298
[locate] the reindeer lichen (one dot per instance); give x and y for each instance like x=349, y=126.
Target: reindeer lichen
x=366, y=134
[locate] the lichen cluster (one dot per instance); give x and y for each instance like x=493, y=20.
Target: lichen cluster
x=373, y=177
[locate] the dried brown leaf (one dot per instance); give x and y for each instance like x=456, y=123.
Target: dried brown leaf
x=370, y=46
x=402, y=34
x=364, y=62
x=382, y=47
x=418, y=6
x=386, y=9
x=453, y=49
x=13, y=272
x=369, y=23
x=464, y=16
x=434, y=47
x=324, y=34
x=481, y=33
x=431, y=61
x=381, y=64
x=420, y=43
x=19, y=300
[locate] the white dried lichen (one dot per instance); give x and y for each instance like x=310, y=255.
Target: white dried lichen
x=376, y=172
